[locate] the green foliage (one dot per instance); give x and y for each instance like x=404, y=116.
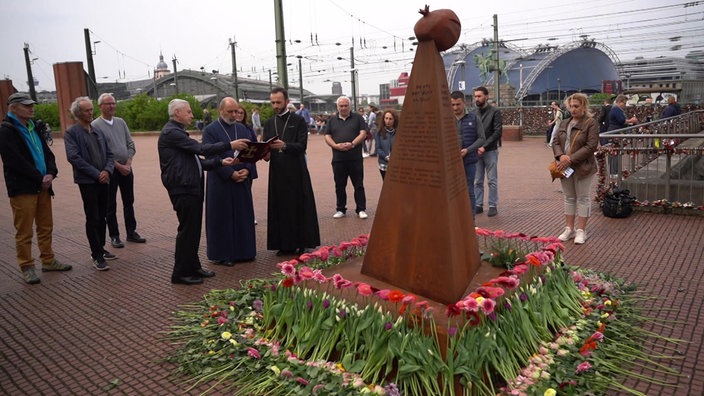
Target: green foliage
x=598, y=98
x=49, y=112
x=144, y=113
x=265, y=110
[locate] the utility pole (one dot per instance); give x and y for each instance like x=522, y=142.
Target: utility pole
x=92, y=85
x=270, y=86
x=30, y=77
x=354, y=79
x=497, y=70
x=300, y=77
x=174, y=60
x=234, y=69
x=280, y=44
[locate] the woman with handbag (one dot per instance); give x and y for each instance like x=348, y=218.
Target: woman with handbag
x=576, y=141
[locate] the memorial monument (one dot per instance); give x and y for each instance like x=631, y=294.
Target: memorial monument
x=423, y=238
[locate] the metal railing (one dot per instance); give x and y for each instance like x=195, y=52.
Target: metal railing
x=659, y=160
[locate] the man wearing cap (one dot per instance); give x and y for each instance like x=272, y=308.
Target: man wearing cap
x=29, y=167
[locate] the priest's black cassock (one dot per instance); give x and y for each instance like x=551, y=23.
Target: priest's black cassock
x=229, y=211
x=292, y=217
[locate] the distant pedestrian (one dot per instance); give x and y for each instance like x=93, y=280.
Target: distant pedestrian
x=385, y=139
x=488, y=162
x=673, y=108
x=257, y=123
x=29, y=167
x=471, y=136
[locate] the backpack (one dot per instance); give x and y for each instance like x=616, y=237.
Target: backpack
x=566, y=114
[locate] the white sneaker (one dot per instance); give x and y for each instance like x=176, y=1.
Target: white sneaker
x=566, y=235
x=365, y=155
x=579, y=237
x=338, y=215
x=362, y=214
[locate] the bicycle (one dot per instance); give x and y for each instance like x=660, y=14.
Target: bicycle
x=45, y=131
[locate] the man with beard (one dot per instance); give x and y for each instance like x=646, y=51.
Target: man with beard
x=229, y=209
x=291, y=213
x=488, y=162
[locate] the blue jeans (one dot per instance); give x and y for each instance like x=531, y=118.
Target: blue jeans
x=469, y=171
x=488, y=162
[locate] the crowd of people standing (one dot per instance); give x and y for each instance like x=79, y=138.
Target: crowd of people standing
x=101, y=150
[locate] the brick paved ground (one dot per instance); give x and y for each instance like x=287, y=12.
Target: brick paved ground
x=78, y=332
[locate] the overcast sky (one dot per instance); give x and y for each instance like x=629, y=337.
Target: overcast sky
x=132, y=34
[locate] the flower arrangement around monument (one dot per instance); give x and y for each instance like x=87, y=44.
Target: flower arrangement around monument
x=540, y=327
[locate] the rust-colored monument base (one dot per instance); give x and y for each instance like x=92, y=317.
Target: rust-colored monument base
x=352, y=270
x=423, y=238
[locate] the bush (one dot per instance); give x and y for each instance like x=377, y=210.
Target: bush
x=49, y=113
x=144, y=113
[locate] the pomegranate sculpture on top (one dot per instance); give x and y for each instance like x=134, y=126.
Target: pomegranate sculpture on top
x=442, y=26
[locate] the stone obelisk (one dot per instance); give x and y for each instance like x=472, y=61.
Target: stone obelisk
x=423, y=238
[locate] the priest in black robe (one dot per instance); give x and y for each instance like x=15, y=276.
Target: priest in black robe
x=291, y=214
x=229, y=209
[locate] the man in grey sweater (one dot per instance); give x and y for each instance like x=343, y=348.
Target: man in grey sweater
x=122, y=146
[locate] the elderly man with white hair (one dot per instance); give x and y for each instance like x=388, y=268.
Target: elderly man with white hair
x=182, y=175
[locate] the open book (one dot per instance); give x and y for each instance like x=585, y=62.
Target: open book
x=255, y=150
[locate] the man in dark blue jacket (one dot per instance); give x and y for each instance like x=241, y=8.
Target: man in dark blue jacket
x=88, y=152
x=182, y=175
x=30, y=168
x=471, y=136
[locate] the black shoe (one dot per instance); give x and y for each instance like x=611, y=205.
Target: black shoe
x=285, y=252
x=116, y=242
x=187, y=280
x=478, y=210
x=204, y=273
x=224, y=262
x=108, y=256
x=492, y=212
x=300, y=251
x=101, y=265
x=134, y=237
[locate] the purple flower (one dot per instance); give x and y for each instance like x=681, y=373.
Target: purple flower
x=286, y=373
x=452, y=331
x=507, y=305
x=309, y=305
x=326, y=303
x=388, y=326
x=302, y=380
x=492, y=316
x=392, y=389
x=342, y=314
x=524, y=297
x=258, y=305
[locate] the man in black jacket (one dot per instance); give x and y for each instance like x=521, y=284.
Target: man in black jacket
x=182, y=175
x=488, y=162
x=29, y=167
